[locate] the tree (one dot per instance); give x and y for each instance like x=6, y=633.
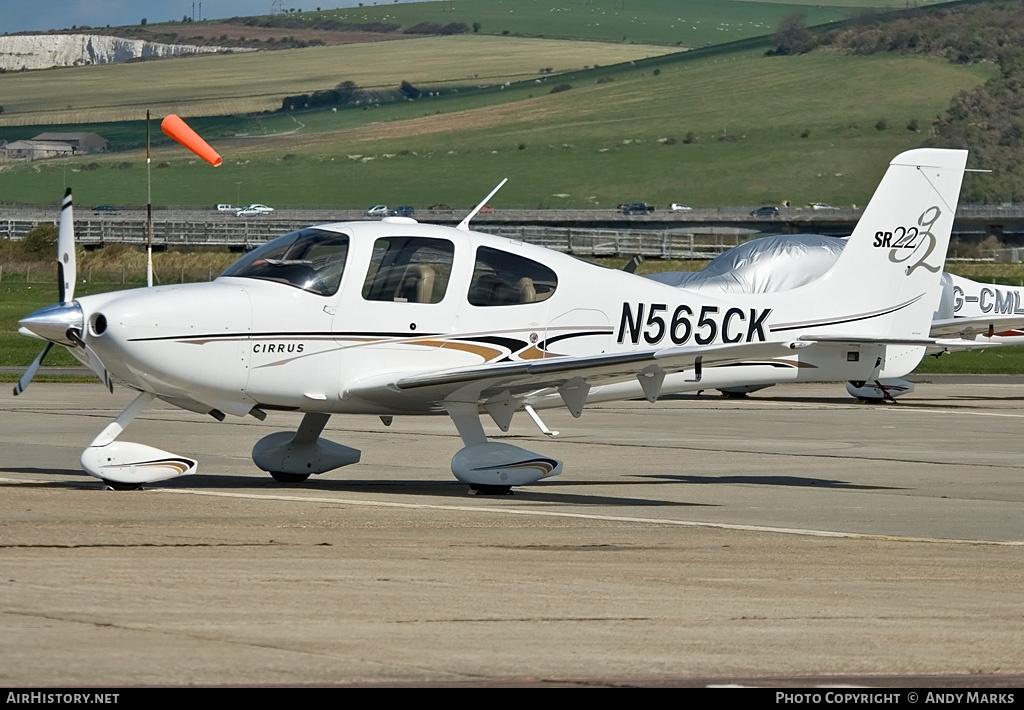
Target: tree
x=347, y=92
x=410, y=91
x=792, y=35
x=143, y=23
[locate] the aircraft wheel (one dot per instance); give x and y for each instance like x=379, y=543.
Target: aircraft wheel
x=282, y=477
x=482, y=490
x=119, y=486
x=733, y=395
x=874, y=401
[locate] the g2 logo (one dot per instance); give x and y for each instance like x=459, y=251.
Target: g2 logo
x=915, y=243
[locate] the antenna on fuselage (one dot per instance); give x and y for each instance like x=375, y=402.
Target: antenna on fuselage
x=464, y=224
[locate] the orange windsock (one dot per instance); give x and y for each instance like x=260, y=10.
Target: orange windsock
x=179, y=131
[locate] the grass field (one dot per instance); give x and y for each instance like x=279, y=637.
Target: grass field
x=768, y=129
x=763, y=129
x=218, y=85
x=691, y=23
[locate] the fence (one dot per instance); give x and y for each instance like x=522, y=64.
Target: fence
x=242, y=235
x=46, y=273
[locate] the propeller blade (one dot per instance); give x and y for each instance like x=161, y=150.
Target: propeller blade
x=31, y=371
x=66, y=266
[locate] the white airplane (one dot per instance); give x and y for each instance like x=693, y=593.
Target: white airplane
x=394, y=317
x=969, y=316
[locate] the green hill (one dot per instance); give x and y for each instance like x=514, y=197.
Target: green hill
x=716, y=126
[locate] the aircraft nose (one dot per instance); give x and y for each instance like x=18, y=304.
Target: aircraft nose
x=53, y=322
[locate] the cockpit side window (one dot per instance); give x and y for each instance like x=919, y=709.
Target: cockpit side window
x=310, y=259
x=409, y=270
x=503, y=279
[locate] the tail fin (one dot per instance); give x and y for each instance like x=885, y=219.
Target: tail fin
x=892, y=264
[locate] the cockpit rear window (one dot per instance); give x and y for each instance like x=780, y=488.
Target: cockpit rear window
x=503, y=279
x=310, y=259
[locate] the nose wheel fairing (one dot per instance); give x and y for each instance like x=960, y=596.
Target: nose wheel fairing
x=126, y=463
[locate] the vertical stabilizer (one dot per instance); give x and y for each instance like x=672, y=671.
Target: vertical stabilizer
x=891, y=268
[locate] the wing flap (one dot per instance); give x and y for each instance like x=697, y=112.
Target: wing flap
x=482, y=381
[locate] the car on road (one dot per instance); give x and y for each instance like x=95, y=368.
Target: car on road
x=254, y=210
x=820, y=206
x=377, y=211
x=440, y=207
x=636, y=208
x=766, y=211
x=401, y=211
x=677, y=207
x=105, y=209
x=226, y=208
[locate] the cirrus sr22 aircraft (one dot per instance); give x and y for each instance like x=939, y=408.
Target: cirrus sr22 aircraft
x=395, y=317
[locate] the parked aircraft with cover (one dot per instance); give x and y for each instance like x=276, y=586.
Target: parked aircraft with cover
x=393, y=317
x=969, y=315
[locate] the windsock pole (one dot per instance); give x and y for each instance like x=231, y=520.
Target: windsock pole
x=149, y=210
x=177, y=129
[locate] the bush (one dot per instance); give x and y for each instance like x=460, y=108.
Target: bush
x=41, y=240
x=691, y=138
x=410, y=91
x=560, y=88
x=882, y=124
x=913, y=125
x=806, y=133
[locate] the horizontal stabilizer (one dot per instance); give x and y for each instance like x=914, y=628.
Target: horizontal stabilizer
x=959, y=344
x=970, y=326
x=861, y=340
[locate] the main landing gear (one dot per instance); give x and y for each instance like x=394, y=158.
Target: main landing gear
x=491, y=467
x=293, y=456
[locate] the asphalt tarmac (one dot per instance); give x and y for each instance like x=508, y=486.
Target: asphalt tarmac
x=791, y=538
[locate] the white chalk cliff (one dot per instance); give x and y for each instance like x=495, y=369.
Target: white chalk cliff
x=44, y=51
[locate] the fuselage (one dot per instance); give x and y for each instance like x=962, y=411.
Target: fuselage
x=314, y=320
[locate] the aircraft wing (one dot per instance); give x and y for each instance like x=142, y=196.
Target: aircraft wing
x=968, y=327
x=518, y=378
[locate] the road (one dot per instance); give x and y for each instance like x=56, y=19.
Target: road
x=791, y=538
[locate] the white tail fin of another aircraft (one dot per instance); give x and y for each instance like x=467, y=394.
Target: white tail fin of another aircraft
x=890, y=269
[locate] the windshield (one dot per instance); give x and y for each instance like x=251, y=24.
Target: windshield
x=310, y=259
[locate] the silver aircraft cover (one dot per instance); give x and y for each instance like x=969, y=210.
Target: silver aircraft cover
x=763, y=265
